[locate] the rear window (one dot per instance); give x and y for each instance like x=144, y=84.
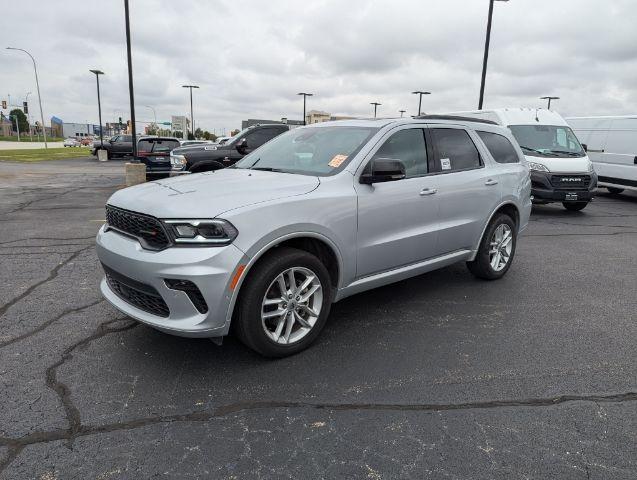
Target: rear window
x=499, y=147
x=157, y=146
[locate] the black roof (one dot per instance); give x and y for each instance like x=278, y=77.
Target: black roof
x=457, y=118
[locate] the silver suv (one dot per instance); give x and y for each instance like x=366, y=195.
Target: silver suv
x=311, y=217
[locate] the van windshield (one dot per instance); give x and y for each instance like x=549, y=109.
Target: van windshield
x=320, y=151
x=547, y=141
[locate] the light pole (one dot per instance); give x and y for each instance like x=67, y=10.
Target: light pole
x=131, y=93
x=376, y=104
x=305, y=95
x=37, y=84
x=486, y=52
x=99, y=104
x=420, y=94
x=154, y=113
x=192, y=119
x=549, y=99
x=26, y=101
x=402, y=112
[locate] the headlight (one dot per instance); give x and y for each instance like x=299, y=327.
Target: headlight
x=590, y=167
x=202, y=232
x=178, y=162
x=538, y=167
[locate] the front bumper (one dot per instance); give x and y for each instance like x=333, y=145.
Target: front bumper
x=546, y=187
x=210, y=268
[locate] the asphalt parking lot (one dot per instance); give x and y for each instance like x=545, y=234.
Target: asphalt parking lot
x=441, y=376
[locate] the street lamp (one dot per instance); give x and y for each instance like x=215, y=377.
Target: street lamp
x=549, y=99
x=376, y=104
x=26, y=101
x=131, y=93
x=305, y=95
x=154, y=112
x=486, y=52
x=402, y=112
x=192, y=119
x=37, y=84
x=420, y=94
x=99, y=104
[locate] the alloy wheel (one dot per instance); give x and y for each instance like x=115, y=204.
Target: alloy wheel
x=291, y=305
x=500, y=247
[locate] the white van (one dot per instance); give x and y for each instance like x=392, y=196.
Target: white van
x=611, y=143
x=560, y=168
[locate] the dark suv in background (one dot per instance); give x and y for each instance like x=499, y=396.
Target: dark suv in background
x=155, y=153
x=116, y=146
x=202, y=158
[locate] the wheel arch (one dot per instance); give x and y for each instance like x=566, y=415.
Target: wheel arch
x=311, y=242
x=508, y=207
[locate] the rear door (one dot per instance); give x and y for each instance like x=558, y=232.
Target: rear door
x=468, y=188
x=398, y=220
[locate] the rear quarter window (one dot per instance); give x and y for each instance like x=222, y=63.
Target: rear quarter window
x=154, y=145
x=499, y=147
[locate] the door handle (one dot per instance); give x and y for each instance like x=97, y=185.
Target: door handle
x=428, y=191
x=491, y=182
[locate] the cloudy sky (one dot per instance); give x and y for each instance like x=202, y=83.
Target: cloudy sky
x=252, y=57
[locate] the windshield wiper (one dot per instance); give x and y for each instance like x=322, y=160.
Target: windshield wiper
x=536, y=151
x=565, y=152
x=266, y=169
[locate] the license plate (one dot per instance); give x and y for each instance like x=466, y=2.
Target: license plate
x=571, y=196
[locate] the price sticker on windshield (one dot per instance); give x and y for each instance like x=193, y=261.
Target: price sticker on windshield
x=337, y=160
x=445, y=164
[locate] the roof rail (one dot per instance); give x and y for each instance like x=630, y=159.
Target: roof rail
x=458, y=118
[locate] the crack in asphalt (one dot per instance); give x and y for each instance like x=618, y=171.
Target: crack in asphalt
x=25, y=205
x=16, y=445
x=52, y=274
x=576, y=234
x=46, y=238
x=44, y=325
x=45, y=246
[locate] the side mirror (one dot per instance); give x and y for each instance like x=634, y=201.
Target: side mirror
x=383, y=170
x=585, y=147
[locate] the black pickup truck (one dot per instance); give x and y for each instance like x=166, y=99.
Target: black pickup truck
x=206, y=157
x=116, y=146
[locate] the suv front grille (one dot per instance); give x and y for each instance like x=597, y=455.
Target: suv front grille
x=138, y=294
x=571, y=182
x=148, y=230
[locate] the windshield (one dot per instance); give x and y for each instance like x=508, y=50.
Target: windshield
x=151, y=145
x=320, y=151
x=547, y=140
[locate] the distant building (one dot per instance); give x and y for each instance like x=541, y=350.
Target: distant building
x=6, y=129
x=252, y=121
x=66, y=129
x=317, y=116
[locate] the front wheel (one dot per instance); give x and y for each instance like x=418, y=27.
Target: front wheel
x=574, y=206
x=496, y=250
x=284, y=303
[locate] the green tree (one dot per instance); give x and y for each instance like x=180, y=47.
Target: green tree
x=198, y=132
x=179, y=135
x=152, y=129
x=234, y=132
x=22, y=120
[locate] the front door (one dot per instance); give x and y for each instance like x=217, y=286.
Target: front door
x=397, y=220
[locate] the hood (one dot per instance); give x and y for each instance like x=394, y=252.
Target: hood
x=562, y=165
x=209, y=194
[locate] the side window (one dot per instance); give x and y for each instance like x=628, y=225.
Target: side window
x=127, y=138
x=455, y=149
x=258, y=138
x=409, y=147
x=499, y=147
x=117, y=138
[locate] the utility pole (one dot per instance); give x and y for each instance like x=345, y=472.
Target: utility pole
x=305, y=95
x=192, y=118
x=420, y=94
x=376, y=104
x=402, y=112
x=486, y=52
x=17, y=125
x=131, y=93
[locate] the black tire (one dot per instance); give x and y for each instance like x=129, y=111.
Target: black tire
x=206, y=166
x=247, y=322
x=574, y=206
x=615, y=190
x=481, y=265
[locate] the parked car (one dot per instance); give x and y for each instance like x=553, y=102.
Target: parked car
x=155, y=153
x=202, y=158
x=116, y=146
x=313, y=216
x=560, y=168
x=611, y=144
x=71, y=142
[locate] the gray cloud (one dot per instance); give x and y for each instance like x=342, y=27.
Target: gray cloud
x=251, y=57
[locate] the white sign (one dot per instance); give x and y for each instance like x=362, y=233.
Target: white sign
x=445, y=164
